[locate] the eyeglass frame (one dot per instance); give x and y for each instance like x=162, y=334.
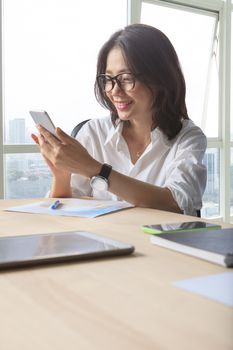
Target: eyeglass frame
x=114, y=80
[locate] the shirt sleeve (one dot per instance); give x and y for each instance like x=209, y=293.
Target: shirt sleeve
x=186, y=175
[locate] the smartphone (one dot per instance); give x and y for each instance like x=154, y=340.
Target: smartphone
x=17, y=251
x=42, y=118
x=180, y=226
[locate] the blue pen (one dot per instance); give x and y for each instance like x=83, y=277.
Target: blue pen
x=55, y=205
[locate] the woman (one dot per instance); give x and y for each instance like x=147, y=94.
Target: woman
x=147, y=152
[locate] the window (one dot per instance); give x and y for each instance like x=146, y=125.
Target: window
x=199, y=31
x=49, y=56
x=193, y=34
x=231, y=99
x=49, y=60
x=212, y=196
x=50, y=50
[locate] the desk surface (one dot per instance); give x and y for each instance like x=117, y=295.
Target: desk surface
x=114, y=303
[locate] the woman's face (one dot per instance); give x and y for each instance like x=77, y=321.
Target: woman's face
x=134, y=105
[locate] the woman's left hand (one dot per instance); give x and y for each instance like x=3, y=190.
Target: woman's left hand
x=67, y=153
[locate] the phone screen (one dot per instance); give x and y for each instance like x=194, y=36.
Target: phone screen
x=41, y=248
x=42, y=118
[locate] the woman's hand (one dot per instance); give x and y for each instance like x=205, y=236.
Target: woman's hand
x=57, y=173
x=65, y=153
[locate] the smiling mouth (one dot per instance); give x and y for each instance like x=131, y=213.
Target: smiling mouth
x=122, y=105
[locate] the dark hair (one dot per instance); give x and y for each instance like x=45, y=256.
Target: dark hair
x=149, y=55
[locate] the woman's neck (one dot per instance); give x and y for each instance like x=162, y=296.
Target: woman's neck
x=136, y=130
x=137, y=137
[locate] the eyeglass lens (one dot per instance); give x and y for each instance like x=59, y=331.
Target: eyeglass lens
x=125, y=81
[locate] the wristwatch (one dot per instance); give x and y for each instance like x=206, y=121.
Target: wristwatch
x=100, y=182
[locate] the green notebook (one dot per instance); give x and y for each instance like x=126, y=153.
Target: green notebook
x=180, y=226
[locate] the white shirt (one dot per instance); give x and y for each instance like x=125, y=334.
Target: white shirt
x=175, y=164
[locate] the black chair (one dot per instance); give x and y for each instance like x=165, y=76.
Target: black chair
x=78, y=127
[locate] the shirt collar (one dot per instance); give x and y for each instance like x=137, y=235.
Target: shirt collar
x=114, y=133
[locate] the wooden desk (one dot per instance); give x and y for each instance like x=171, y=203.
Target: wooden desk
x=125, y=303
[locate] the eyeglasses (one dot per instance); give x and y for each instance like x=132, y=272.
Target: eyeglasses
x=125, y=81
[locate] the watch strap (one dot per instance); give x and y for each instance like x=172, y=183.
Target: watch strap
x=105, y=171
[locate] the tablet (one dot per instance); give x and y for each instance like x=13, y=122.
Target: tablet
x=16, y=251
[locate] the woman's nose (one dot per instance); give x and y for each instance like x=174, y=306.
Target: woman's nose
x=116, y=89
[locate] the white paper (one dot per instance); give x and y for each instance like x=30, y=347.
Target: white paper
x=217, y=287
x=73, y=207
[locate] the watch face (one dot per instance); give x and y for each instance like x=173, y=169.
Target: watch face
x=99, y=183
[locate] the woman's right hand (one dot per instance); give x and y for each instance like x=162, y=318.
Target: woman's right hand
x=56, y=172
x=61, y=178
